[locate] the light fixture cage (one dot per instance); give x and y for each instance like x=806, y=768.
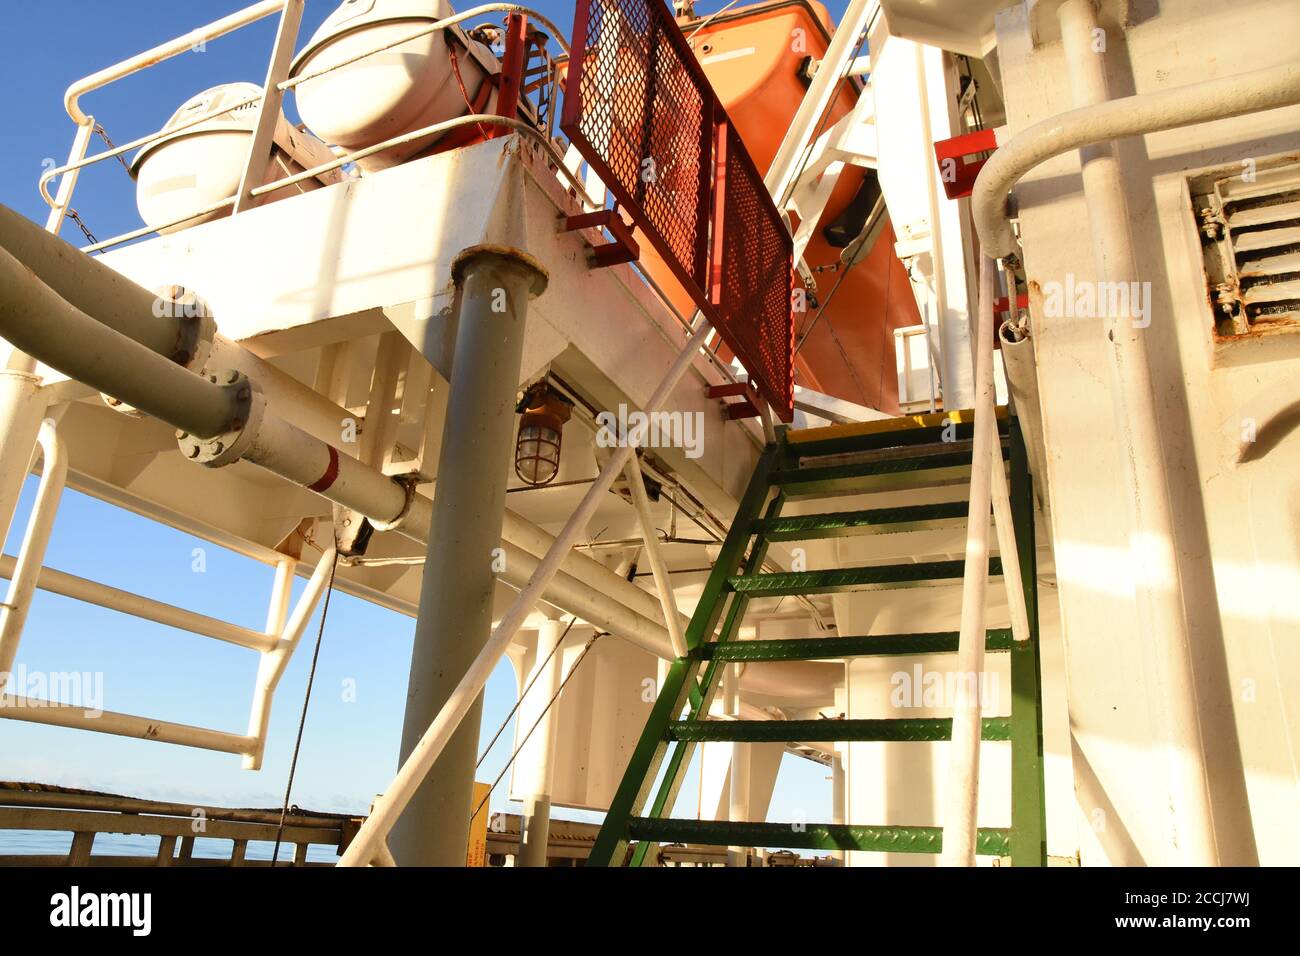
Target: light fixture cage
x=541, y=433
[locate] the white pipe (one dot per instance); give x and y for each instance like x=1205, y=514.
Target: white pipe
x=738, y=794
x=136, y=605
x=22, y=580
x=738, y=798
x=961, y=796
x=37, y=711
x=63, y=336
x=521, y=532
x=123, y=306
x=164, y=51
x=474, y=119
x=274, y=661
x=839, y=792
x=663, y=584
x=1021, y=366
x=1107, y=119
x=577, y=596
x=277, y=608
x=45, y=325
x=59, y=206
x=390, y=806
x=22, y=407
x=298, y=447
x=1001, y=495
x=535, y=765
x=1007, y=551
x=1189, y=821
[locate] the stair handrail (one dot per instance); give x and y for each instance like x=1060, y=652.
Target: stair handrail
x=988, y=489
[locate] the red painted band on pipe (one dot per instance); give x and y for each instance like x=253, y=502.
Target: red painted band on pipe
x=331, y=472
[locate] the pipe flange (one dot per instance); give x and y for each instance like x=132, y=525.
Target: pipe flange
x=248, y=407
x=195, y=331
x=195, y=326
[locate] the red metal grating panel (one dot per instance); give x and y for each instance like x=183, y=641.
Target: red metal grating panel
x=752, y=274
x=640, y=110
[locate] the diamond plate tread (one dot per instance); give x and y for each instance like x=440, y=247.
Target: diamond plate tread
x=884, y=474
x=839, y=444
x=963, y=431
x=899, y=730
x=989, y=841
x=852, y=579
x=843, y=524
x=823, y=648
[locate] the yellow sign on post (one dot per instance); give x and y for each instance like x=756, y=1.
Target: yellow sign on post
x=477, y=855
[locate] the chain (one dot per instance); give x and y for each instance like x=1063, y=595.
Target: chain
x=103, y=134
x=90, y=237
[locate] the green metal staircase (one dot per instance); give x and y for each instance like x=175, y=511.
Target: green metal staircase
x=902, y=454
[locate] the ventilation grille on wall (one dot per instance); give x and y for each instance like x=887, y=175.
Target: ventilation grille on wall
x=1250, y=230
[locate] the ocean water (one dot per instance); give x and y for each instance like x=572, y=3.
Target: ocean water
x=50, y=842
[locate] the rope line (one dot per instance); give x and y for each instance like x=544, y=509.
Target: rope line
x=554, y=697
x=302, y=720
x=536, y=674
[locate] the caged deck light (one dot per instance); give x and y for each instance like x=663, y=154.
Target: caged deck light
x=541, y=427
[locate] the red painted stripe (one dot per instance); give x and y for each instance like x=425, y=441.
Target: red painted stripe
x=331, y=473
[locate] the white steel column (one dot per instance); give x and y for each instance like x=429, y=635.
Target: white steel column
x=535, y=765
x=839, y=785
x=455, y=619
x=1189, y=825
x=738, y=799
x=461, y=703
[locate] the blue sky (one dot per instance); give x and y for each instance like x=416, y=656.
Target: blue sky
x=350, y=748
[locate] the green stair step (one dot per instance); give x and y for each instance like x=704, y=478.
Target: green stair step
x=879, y=475
x=900, y=438
x=844, y=524
x=837, y=580
x=989, y=841
x=905, y=730
x=822, y=648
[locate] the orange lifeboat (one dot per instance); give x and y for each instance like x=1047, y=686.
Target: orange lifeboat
x=757, y=59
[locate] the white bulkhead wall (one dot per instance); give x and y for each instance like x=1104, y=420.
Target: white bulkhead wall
x=1238, y=535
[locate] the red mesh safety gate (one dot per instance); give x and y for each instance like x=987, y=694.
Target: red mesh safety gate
x=752, y=253
x=643, y=114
